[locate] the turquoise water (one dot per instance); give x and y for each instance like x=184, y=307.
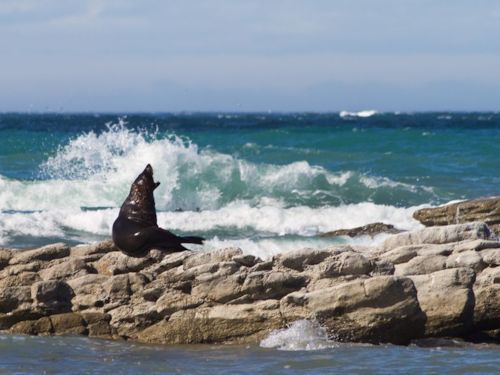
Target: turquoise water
x=76, y=355
x=267, y=183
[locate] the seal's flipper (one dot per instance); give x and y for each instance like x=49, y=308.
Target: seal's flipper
x=192, y=239
x=158, y=238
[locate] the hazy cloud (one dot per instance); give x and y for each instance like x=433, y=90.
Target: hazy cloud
x=170, y=55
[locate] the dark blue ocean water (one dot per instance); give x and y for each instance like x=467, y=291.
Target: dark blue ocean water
x=264, y=182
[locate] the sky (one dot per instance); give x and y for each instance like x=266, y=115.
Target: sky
x=249, y=55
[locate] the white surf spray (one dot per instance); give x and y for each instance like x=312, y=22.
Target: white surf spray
x=300, y=335
x=363, y=114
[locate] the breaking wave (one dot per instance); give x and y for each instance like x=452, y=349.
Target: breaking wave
x=220, y=196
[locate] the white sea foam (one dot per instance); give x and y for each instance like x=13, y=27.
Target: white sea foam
x=364, y=114
x=300, y=335
x=237, y=219
x=301, y=220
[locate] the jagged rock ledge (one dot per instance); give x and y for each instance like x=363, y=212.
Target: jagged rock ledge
x=442, y=281
x=486, y=210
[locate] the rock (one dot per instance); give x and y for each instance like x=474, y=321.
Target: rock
x=421, y=265
x=201, y=258
x=470, y=259
x=98, y=324
x=263, y=266
x=5, y=256
x=366, y=230
x=438, y=235
x=299, y=259
x=486, y=210
x=401, y=254
x=116, y=263
x=70, y=269
x=20, y=268
x=263, y=285
x=487, y=299
x=68, y=324
x=52, y=296
x=476, y=245
x=14, y=297
x=346, y=263
x=211, y=271
x=432, y=249
x=94, y=251
x=363, y=308
x=42, y=326
x=174, y=301
x=129, y=320
x=221, y=291
x=46, y=253
x=246, y=260
x=168, y=262
x=21, y=279
x=382, y=267
x=491, y=257
x=231, y=323
x=447, y=300
x=89, y=292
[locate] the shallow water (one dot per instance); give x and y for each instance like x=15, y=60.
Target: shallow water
x=77, y=355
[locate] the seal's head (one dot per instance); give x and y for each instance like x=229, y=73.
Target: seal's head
x=140, y=203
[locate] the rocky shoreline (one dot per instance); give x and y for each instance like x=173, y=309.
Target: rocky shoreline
x=435, y=282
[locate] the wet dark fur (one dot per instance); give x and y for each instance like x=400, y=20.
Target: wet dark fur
x=136, y=231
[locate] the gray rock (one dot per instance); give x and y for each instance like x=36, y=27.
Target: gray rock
x=116, y=263
x=46, y=253
x=487, y=299
x=366, y=230
x=447, y=300
x=97, y=249
x=486, y=210
x=52, y=296
x=470, y=259
x=363, y=308
x=14, y=297
x=438, y=235
x=222, y=255
x=71, y=268
x=476, y=245
x=401, y=254
x=421, y=265
x=346, y=263
x=299, y=259
x=491, y=257
x=5, y=256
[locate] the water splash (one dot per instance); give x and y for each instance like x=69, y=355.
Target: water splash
x=300, y=335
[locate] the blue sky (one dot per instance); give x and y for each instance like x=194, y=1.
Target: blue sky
x=223, y=55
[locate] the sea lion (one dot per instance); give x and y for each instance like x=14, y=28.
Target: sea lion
x=136, y=231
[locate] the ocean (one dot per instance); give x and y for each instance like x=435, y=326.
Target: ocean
x=264, y=182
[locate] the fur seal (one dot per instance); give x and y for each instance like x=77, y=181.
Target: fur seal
x=136, y=231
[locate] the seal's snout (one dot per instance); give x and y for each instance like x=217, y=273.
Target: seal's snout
x=149, y=169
